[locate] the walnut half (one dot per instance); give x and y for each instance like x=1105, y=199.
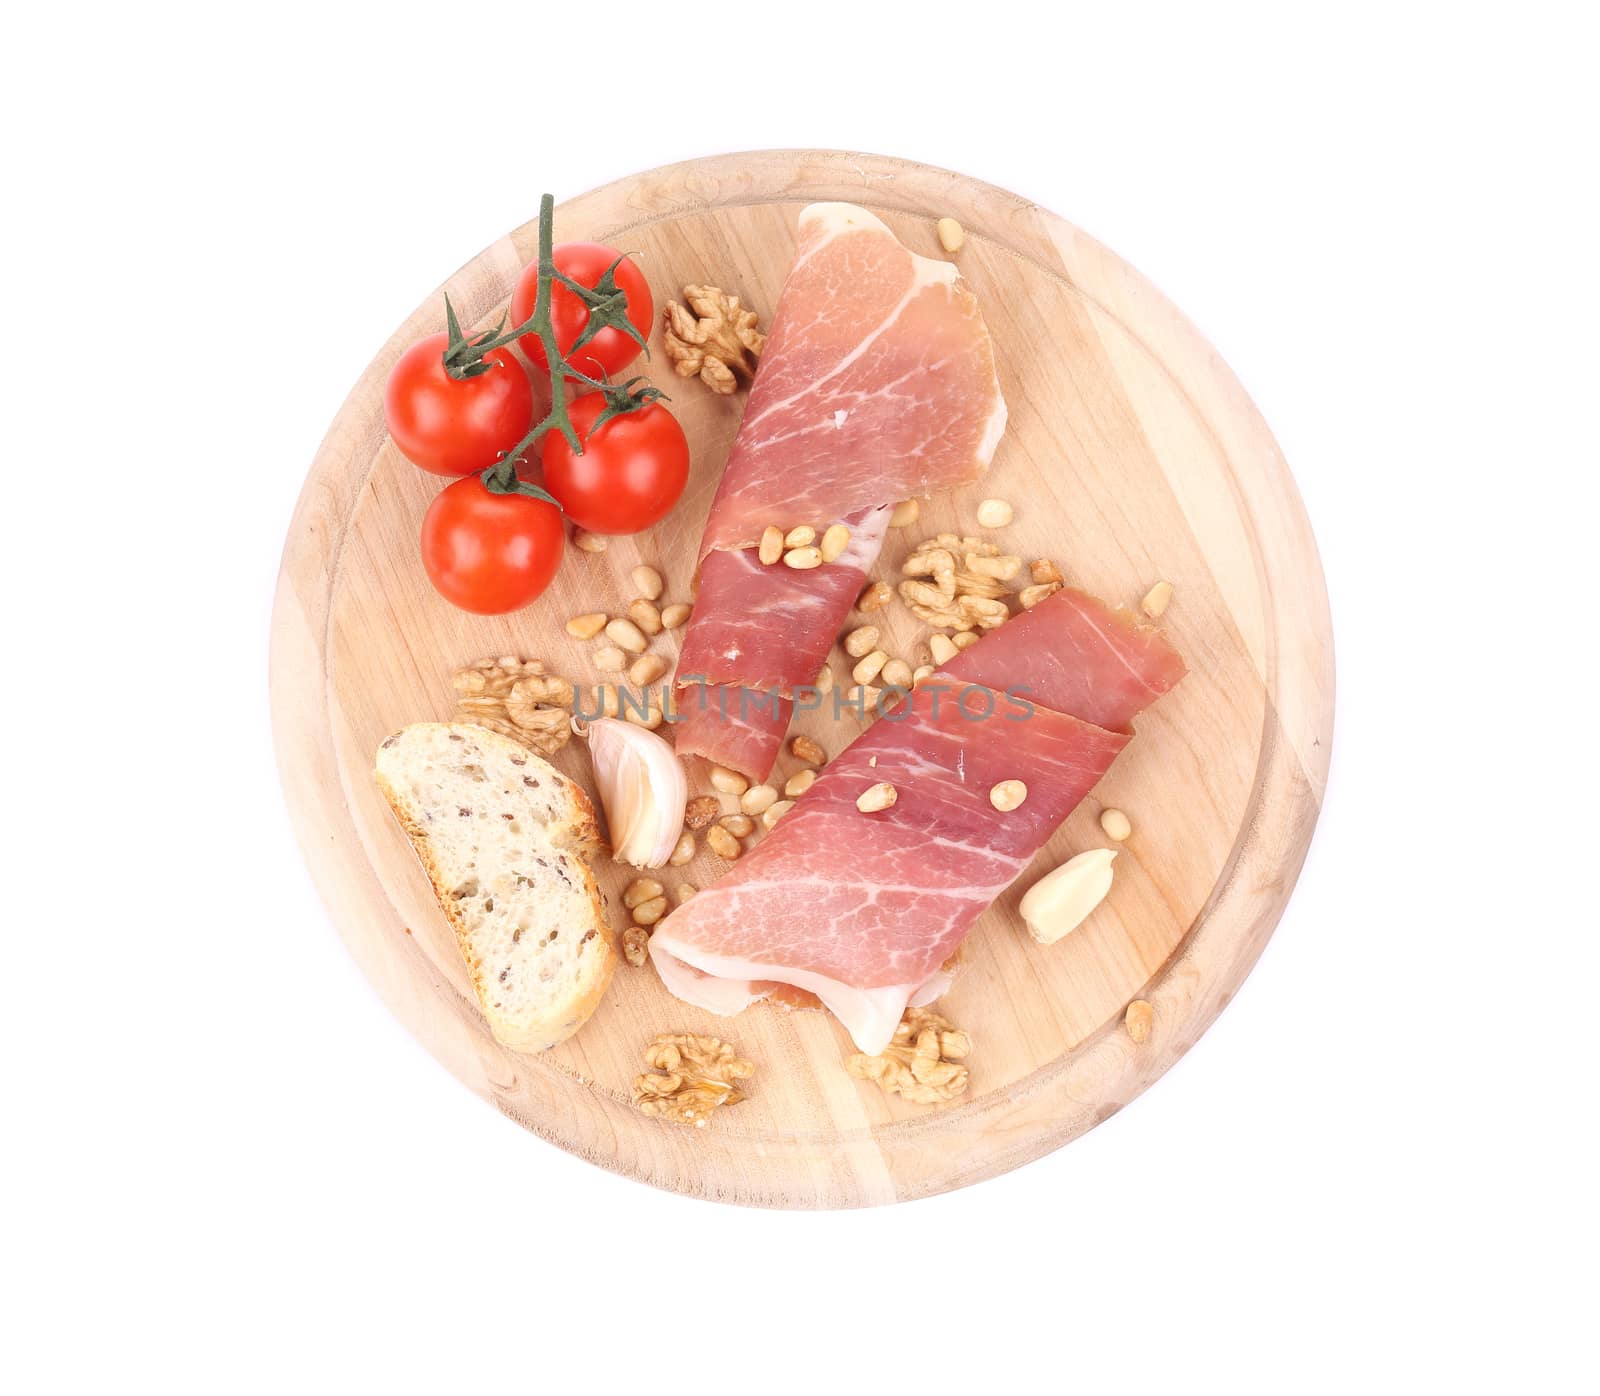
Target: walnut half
x=922, y=1063
x=516, y=698
x=692, y=1076
x=715, y=338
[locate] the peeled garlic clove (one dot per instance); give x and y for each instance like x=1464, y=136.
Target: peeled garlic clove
x=643, y=789
x=1060, y=901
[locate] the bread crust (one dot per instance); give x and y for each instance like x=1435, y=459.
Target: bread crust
x=599, y=956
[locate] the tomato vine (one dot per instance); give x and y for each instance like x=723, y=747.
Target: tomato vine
x=607, y=304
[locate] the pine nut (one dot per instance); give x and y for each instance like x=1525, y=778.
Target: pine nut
x=1156, y=599
x=835, y=539
x=758, y=798
x=863, y=697
x=803, y=559
x=951, y=237
x=685, y=891
x=610, y=660
x=994, y=513
x=771, y=548
x=652, y=716
x=861, y=641
x=607, y=699
x=1043, y=570
x=799, y=783
x=799, y=536
x=776, y=812
x=942, y=648
x=683, y=850
x=648, y=913
x=805, y=749
x=741, y=826
x=824, y=680
x=1116, y=824
x=921, y=673
x=905, y=514
x=722, y=843
x=896, y=674
x=647, y=582
x=1139, y=1019
x=728, y=782
x=870, y=666
x=965, y=640
x=1029, y=597
x=674, y=615
x=641, y=889
x=647, y=668
x=1008, y=794
x=877, y=797
x=586, y=542
x=643, y=613
x=635, y=945
x=875, y=596
x=586, y=627
x=626, y=635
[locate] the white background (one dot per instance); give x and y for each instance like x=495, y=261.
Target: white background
x=231, y=1170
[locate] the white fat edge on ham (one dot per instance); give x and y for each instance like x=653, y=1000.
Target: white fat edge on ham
x=725, y=985
x=866, y=538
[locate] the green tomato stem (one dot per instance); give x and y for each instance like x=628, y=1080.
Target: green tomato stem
x=607, y=304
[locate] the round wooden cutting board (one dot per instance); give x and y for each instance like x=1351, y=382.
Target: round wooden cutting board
x=1132, y=455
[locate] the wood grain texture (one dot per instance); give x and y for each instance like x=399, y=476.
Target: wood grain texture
x=1132, y=454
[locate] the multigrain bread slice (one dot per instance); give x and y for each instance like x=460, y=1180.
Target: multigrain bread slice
x=505, y=839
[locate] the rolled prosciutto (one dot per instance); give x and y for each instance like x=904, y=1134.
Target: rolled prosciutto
x=877, y=384
x=865, y=909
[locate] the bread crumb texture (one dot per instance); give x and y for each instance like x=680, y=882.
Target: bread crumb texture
x=505, y=839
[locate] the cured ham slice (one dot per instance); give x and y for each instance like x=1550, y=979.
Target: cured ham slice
x=864, y=910
x=772, y=627
x=740, y=728
x=766, y=632
x=1074, y=654
x=877, y=384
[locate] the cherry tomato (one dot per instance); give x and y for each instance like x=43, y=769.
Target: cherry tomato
x=610, y=351
x=630, y=474
x=490, y=553
x=455, y=426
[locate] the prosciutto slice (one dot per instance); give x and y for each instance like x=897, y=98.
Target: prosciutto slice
x=877, y=384
x=864, y=910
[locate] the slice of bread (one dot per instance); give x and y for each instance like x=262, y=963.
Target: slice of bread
x=505, y=839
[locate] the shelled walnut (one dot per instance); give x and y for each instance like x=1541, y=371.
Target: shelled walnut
x=964, y=586
x=714, y=337
x=690, y=1077
x=518, y=699
x=922, y=1063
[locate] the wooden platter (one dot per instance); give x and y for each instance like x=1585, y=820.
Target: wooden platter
x=1132, y=455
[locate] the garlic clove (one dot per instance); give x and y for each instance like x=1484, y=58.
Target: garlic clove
x=1060, y=901
x=643, y=789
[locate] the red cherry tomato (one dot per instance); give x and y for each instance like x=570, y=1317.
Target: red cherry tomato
x=630, y=474
x=610, y=351
x=490, y=553
x=455, y=426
